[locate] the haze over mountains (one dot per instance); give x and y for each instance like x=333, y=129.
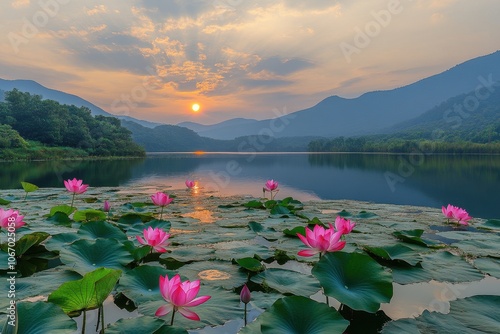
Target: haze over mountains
x=371, y=113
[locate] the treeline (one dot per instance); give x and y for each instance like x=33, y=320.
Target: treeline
x=486, y=141
x=30, y=124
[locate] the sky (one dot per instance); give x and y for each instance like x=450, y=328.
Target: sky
x=153, y=59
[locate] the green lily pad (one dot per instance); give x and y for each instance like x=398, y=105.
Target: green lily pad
x=62, y=208
x=101, y=229
x=232, y=249
x=85, y=255
x=488, y=265
x=254, y=204
x=58, y=241
x=398, y=253
x=293, y=232
x=4, y=202
x=365, y=215
x=40, y=318
x=28, y=187
x=130, y=219
x=287, y=282
x=143, y=324
x=480, y=311
x=89, y=215
x=440, y=266
x=87, y=293
x=44, y=282
x=354, y=279
x=28, y=241
x=141, y=284
x=345, y=214
x=215, y=273
x=415, y=237
x=60, y=218
x=491, y=223
x=190, y=254
x=287, y=315
x=251, y=264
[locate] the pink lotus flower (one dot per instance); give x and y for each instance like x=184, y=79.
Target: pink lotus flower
x=271, y=185
x=161, y=199
x=344, y=226
x=321, y=241
x=75, y=186
x=179, y=296
x=156, y=238
x=106, y=207
x=454, y=212
x=9, y=218
x=245, y=294
x=190, y=183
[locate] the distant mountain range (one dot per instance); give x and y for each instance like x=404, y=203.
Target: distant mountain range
x=405, y=108
x=370, y=113
x=34, y=87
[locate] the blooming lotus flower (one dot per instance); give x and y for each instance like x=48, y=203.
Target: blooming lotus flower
x=180, y=296
x=321, y=241
x=76, y=187
x=190, y=183
x=156, y=238
x=344, y=226
x=162, y=200
x=454, y=212
x=271, y=185
x=7, y=217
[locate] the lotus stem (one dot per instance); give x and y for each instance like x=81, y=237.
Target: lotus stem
x=245, y=314
x=161, y=212
x=102, y=317
x=172, y=320
x=84, y=321
x=73, y=199
x=98, y=319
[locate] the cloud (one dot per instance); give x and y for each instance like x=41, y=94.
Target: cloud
x=100, y=9
x=282, y=66
x=20, y=3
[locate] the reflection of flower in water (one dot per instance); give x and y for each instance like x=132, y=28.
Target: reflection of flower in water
x=213, y=275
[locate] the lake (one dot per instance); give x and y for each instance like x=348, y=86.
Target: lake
x=468, y=181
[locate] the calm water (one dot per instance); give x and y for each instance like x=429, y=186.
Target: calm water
x=472, y=182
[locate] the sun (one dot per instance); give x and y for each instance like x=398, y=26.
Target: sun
x=195, y=107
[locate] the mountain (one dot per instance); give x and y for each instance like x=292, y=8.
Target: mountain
x=228, y=125
x=33, y=87
x=370, y=113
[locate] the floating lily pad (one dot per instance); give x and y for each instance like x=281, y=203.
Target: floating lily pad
x=84, y=255
x=233, y=249
x=215, y=273
x=415, y=237
x=89, y=215
x=354, y=279
x=251, y=264
x=143, y=324
x=190, y=254
x=4, y=201
x=141, y=284
x=58, y=241
x=101, y=229
x=60, y=218
x=488, y=265
x=296, y=314
x=86, y=293
x=44, y=282
x=398, y=253
x=40, y=318
x=440, y=266
x=480, y=311
x=288, y=282
x=28, y=241
x=491, y=224
x=62, y=208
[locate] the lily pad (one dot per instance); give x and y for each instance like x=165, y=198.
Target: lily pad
x=251, y=264
x=87, y=293
x=62, y=208
x=143, y=324
x=215, y=273
x=58, y=241
x=481, y=318
x=355, y=280
x=415, y=237
x=40, y=318
x=190, y=254
x=287, y=282
x=398, y=253
x=84, y=255
x=488, y=265
x=101, y=229
x=141, y=284
x=440, y=266
x=288, y=315
x=89, y=215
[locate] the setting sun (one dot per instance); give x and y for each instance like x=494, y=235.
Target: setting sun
x=195, y=107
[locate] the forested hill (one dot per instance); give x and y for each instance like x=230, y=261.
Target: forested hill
x=462, y=124
x=28, y=122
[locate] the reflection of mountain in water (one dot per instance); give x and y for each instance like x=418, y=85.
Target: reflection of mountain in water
x=96, y=173
x=472, y=182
